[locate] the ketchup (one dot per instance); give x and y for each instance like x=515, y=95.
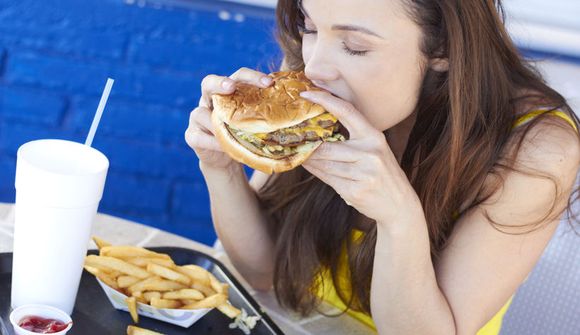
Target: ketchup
x=41, y=325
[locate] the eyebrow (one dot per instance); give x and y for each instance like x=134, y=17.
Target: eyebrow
x=344, y=27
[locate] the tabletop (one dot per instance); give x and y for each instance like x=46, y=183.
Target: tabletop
x=120, y=231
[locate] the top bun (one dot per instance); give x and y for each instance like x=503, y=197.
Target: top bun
x=264, y=110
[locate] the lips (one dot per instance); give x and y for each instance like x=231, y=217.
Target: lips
x=324, y=87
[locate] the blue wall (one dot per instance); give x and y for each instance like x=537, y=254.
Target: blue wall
x=55, y=57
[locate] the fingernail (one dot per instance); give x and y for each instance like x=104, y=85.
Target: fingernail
x=266, y=81
x=228, y=84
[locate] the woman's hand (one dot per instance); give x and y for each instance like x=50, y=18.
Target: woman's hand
x=363, y=170
x=200, y=134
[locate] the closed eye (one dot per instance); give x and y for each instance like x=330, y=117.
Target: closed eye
x=344, y=46
x=353, y=52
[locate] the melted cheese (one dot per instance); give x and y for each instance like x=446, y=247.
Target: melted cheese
x=323, y=116
x=312, y=126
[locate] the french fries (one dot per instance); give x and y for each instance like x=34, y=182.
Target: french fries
x=126, y=281
x=148, y=277
x=150, y=295
x=209, y=302
x=167, y=273
x=184, y=294
x=132, y=306
x=196, y=273
x=155, y=284
x=132, y=330
x=126, y=251
x=229, y=310
x=112, y=263
x=100, y=243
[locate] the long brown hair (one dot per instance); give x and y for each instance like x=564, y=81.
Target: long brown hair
x=464, y=119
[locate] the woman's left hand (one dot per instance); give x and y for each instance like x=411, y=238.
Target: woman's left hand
x=362, y=170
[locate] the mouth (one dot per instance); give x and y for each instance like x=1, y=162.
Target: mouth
x=325, y=88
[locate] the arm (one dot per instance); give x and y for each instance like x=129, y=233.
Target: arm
x=250, y=249
x=235, y=211
x=239, y=223
x=481, y=267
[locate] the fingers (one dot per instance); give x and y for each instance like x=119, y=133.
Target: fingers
x=335, y=151
x=331, y=169
x=200, y=118
x=199, y=134
x=356, y=124
x=213, y=84
x=337, y=183
x=197, y=139
x=252, y=77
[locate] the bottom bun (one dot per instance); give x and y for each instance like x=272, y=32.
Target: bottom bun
x=265, y=164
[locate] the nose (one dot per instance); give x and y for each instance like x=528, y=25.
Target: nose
x=319, y=66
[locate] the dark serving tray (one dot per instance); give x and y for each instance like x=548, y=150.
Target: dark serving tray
x=94, y=314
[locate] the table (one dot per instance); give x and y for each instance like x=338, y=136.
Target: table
x=121, y=231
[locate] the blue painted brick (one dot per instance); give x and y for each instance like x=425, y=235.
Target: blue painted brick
x=2, y=58
x=148, y=159
x=177, y=90
x=182, y=164
x=13, y=135
x=56, y=73
x=146, y=196
x=104, y=16
x=225, y=46
x=130, y=156
x=81, y=77
x=31, y=106
x=7, y=174
x=127, y=119
x=86, y=44
x=71, y=47
x=177, y=55
x=190, y=200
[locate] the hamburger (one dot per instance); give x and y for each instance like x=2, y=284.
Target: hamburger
x=272, y=129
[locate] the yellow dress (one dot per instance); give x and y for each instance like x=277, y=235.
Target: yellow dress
x=328, y=293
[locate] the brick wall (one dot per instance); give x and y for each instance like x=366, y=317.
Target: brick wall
x=55, y=57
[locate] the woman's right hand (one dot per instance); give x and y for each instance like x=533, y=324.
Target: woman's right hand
x=200, y=134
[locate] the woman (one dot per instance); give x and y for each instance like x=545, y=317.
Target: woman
x=459, y=164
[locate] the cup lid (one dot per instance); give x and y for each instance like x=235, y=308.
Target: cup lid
x=59, y=173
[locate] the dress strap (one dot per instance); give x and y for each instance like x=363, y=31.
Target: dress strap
x=531, y=115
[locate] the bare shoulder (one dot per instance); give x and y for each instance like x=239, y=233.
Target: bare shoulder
x=551, y=142
x=542, y=175
x=483, y=264
x=550, y=145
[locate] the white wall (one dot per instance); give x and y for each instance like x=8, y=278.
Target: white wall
x=552, y=26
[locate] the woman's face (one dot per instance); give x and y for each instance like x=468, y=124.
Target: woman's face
x=366, y=52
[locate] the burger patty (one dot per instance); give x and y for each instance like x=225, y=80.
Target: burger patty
x=287, y=141
x=321, y=123
x=292, y=139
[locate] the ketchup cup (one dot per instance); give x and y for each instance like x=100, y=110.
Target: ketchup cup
x=43, y=311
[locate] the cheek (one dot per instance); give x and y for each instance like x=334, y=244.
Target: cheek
x=390, y=93
x=307, y=48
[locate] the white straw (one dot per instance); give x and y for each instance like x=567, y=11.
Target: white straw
x=99, y=112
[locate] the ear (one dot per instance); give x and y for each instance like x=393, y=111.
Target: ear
x=439, y=64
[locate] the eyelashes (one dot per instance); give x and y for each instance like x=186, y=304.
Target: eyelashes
x=353, y=52
x=344, y=46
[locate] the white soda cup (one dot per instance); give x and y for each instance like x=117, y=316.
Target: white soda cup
x=58, y=188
